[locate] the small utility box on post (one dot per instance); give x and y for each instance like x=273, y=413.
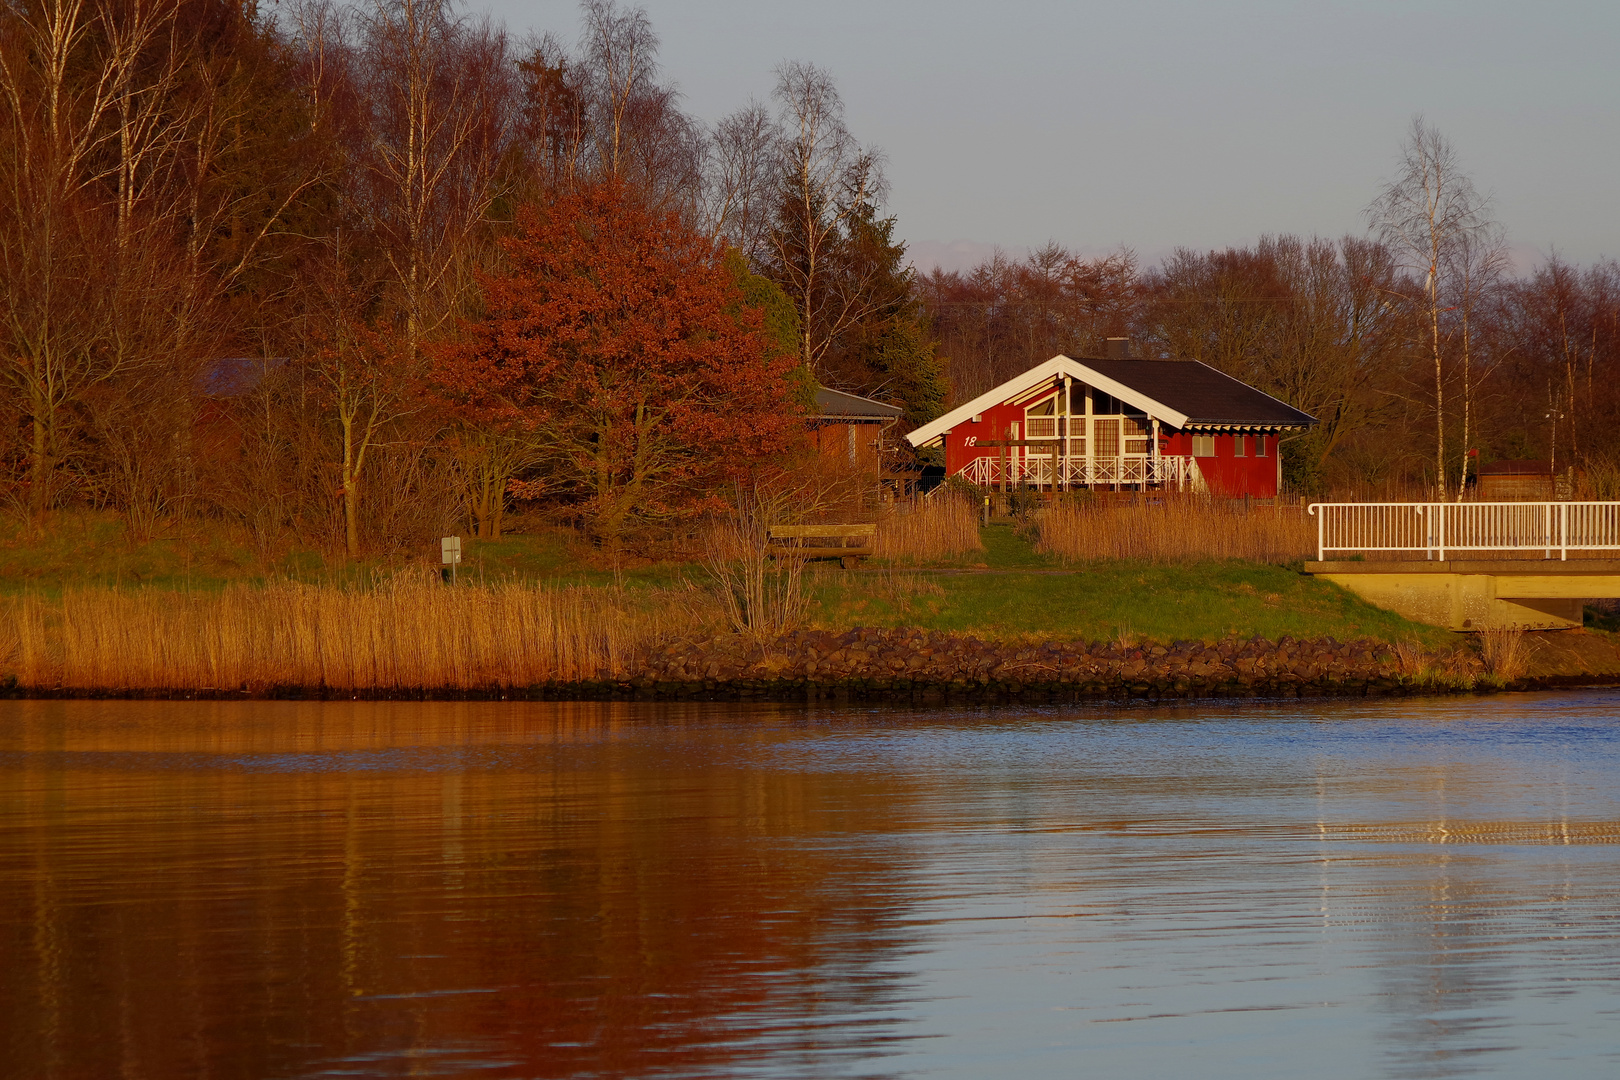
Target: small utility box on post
x=450, y=554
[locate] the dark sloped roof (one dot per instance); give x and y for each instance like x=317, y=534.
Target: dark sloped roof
x=838, y=403
x=1207, y=396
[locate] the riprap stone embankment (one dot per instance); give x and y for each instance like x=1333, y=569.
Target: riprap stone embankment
x=911, y=664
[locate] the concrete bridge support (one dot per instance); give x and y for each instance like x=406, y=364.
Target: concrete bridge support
x=1479, y=594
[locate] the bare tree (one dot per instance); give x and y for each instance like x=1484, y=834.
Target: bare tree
x=56, y=133
x=825, y=179
x=371, y=381
x=744, y=151
x=438, y=92
x=1425, y=213
x=640, y=133
x=621, y=51
x=1475, y=265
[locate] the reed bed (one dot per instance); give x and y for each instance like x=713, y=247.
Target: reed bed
x=1172, y=530
x=405, y=633
x=941, y=527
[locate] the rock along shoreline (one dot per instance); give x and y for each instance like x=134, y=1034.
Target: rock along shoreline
x=909, y=665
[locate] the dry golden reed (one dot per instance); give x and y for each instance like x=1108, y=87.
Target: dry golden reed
x=1176, y=530
x=927, y=529
x=406, y=633
x=1504, y=651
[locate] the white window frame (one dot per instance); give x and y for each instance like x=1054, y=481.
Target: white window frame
x=1053, y=417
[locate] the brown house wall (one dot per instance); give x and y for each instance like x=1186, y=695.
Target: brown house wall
x=834, y=440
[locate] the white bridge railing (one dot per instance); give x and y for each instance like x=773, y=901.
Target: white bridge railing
x=1439, y=528
x=1040, y=469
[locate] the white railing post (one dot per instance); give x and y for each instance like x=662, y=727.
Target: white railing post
x=1563, y=532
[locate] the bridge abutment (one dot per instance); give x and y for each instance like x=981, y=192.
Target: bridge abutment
x=1479, y=594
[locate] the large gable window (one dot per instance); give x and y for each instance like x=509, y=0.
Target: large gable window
x=1040, y=420
x=1136, y=434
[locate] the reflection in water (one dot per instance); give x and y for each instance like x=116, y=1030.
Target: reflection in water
x=289, y=889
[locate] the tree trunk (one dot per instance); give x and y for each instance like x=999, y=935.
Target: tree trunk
x=351, y=493
x=41, y=470
x=1462, y=477
x=1439, y=385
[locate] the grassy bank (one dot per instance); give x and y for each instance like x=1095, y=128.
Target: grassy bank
x=86, y=548
x=86, y=610
x=1126, y=600
x=1020, y=590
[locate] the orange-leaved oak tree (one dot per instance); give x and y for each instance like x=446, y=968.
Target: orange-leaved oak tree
x=616, y=334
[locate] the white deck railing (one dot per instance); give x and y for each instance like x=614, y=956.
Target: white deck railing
x=1039, y=469
x=1438, y=528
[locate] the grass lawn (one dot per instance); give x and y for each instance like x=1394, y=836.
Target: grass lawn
x=1206, y=601
x=90, y=548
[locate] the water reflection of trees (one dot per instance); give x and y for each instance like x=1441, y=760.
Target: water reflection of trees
x=393, y=889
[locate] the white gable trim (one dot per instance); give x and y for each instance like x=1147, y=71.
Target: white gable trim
x=1057, y=366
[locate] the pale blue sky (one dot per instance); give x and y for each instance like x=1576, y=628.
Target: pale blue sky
x=1172, y=122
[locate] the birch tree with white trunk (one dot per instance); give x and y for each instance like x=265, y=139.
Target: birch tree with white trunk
x=1427, y=213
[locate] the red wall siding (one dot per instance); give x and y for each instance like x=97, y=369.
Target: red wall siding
x=1226, y=473
x=993, y=427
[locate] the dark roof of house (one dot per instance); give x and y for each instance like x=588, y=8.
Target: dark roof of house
x=1205, y=395
x=838, y=403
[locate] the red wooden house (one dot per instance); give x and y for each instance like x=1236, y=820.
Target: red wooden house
x=1118, y=424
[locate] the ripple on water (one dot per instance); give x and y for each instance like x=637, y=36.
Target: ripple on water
x=1414, y=888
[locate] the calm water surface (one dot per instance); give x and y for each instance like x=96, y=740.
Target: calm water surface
x=1396, y=889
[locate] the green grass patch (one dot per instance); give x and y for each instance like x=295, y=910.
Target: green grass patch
x=1007, y=549
x=561, y=557
x=85, y=548
x=1205, y=602
x=91, y=548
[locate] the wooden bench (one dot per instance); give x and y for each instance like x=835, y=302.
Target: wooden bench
x=832, y=542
